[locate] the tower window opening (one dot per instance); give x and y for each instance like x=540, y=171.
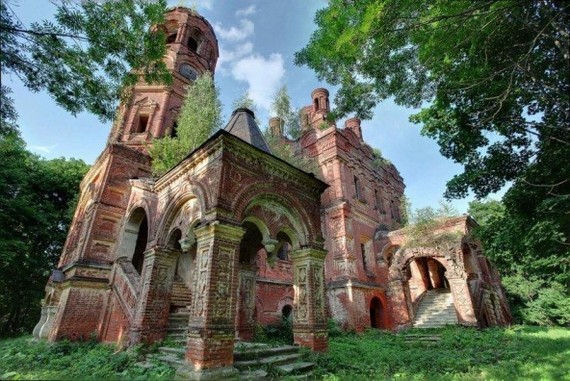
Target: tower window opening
x=363, y=251
x=142, y=123
x=171, y=38
x=357, y=189
x=316, y=104
x=193, y=44
x=174, y=132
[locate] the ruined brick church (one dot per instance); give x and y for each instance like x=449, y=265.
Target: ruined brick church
x=233, y=236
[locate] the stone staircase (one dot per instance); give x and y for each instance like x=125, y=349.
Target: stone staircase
x=178, y=326
x=436, y=310
x=181, y=295
x=254, y=361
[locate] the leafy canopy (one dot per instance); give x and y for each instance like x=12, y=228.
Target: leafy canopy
x=89, y=54
x=37, y=199
x=200, y=117
x=494, y=75
x=281, y=108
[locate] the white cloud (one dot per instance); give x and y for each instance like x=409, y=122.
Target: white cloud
x=246, y=11
x=45, y=149
x=263, y=76
x=245, y=30
x=227, y=56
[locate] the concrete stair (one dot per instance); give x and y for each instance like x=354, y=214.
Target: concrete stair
x=436, y=310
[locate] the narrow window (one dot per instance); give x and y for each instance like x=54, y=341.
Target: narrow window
x=357, y=190
x=142, y=123
x=171, y=38
x=174, y=132
x=376, y=199
x=193, y=44
x=316, y=104
x=363, y=251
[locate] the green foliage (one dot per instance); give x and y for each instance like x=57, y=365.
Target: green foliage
x=280, y=333
x=286, y=152
x=424, y=221
x=518, y=353
x=23, y=358
x=37, y=198
x=379, y=161
x=528, y=247
x=281, y=108
x=493, y=77
x=200, y=117
x=245, y=101
x=89, y=55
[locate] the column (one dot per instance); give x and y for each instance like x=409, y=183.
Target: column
x=462, y=301
x=153, y=305
x=246, y=303
x=212, y=316
x=309, y=315
x=398, y=304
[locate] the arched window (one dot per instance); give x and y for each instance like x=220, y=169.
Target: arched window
x=171, y=38
x=316, y=104
x=284, y=246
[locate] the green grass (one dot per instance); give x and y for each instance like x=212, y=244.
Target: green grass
x=517, y=353
x=24, y=359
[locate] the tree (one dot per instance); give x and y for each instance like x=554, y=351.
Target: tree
x=200, y=117
x=244, y=101
x=290, y=117
x=89, y=54
x=535, y=269
x=37, y=199
x=494, y=74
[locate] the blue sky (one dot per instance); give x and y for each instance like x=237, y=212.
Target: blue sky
x=257, y=41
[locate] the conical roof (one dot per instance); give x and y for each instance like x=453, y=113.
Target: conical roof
x=242, y=124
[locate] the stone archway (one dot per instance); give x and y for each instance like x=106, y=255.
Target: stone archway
x=378, y=314
x=455, y=277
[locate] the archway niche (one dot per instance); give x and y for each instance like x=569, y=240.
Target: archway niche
x=134, y=239
x=250, y=245
x=377, y=314
x=284, y=246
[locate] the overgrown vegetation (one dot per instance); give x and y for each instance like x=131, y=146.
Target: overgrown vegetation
x=531, y=255
x=200, y=117
x=423, y=223
x=280, y=333
x=23, y=358
x=37, y=201
x=517, y=353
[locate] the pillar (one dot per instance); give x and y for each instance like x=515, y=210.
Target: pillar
x=152, y=309
x=462, y=301
x=246, y=303
x=398, y=303
x=309, y=316
x=211, y=327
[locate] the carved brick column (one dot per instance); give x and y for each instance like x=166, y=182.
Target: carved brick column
x=152, y=309
x=309, y=316
x=246, y=303
x=399, y=303
x=212, y=318
x=462, y=301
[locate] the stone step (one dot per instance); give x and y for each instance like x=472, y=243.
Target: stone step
x=180, y=352
x=295, y=368
x=263, y=351
x=272, y=360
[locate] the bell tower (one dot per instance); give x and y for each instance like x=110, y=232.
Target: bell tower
x=153, y=109
x=77, y=297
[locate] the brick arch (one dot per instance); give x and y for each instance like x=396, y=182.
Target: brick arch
x=194, y=191
x=261, y=225
x=258, y=192
x=297, y=224
x=404, y=256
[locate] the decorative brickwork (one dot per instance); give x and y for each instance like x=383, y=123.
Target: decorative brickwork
x=233, y=237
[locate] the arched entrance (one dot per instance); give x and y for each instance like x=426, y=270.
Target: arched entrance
x=135, y=238
x=422, y=272
x=378, y=316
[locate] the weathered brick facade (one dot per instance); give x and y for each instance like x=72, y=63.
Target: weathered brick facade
x=234, y=237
